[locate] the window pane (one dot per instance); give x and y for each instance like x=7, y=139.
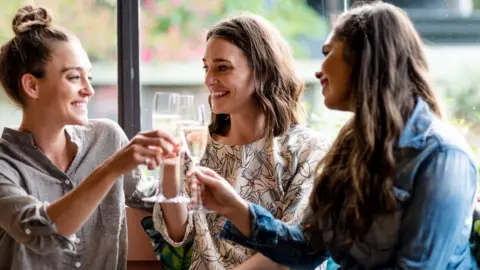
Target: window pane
x=94, y=22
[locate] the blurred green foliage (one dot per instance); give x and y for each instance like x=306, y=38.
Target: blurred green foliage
x=174, y=29
x=170, y=30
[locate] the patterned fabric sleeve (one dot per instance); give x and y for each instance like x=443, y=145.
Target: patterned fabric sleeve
x=296, y=198
x=174, y=258
x=161, y=227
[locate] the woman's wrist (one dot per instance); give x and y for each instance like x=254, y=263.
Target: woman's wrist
x=239, y=216
x=108, y=170
x=171, y=178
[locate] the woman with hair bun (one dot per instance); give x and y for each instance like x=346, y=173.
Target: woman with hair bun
x=63, y=176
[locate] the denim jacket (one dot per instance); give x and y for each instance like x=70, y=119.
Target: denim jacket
x=435, y=188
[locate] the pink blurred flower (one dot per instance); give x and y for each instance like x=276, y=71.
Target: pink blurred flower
x=174, y=30
x=146, y=55
x=176, y=3
x=149, y=4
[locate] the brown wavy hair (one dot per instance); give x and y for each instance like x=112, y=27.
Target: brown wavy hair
x=389, y=71
x=277, y=87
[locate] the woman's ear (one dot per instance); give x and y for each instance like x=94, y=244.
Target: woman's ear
x=29, y=84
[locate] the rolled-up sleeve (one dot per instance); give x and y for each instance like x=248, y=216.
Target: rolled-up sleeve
x=161, y=227
x=136, y=187
x=25, y=219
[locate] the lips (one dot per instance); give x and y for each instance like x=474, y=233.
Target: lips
x=81, y=105
x=324, y=82
x=219, y=94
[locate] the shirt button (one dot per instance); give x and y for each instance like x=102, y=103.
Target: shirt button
x=78, y=264
x=28, y=232
x=67, y=182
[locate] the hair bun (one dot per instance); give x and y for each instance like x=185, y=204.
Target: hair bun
x=29, y=17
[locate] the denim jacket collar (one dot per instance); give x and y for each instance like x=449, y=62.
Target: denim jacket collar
x=418, y=126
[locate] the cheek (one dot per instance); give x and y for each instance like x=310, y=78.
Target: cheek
x=246, y=86
x=59, y=95
x=345, y=81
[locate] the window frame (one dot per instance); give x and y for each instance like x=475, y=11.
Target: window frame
x=128, y=42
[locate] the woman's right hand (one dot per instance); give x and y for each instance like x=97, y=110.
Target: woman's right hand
x=148, y=148
x=216, y=193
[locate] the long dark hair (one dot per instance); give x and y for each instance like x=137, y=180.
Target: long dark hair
x=389, y=71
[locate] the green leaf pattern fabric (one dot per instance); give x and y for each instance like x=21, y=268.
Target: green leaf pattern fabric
x=170, y=257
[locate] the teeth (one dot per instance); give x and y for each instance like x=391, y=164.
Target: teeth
x=81, y=105
x=218, y=94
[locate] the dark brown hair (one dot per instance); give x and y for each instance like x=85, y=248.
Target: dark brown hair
x=277, y=87
x=29, y=50
x=389, y=72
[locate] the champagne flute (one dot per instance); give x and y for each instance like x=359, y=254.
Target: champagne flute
x=195, y=139
x=165, y=117
x=186, y=117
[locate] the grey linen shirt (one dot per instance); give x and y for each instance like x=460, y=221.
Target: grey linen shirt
x=29, y=182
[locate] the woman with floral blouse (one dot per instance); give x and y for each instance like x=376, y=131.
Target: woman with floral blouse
x=257, y=143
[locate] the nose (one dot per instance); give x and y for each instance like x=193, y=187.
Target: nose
x=88, y=90
x=319, y=75
x=210, y=78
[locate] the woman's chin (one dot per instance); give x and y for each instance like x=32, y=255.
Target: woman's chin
x=336, y=105
x=328, y=105
x=219, y=110
x=79, y=121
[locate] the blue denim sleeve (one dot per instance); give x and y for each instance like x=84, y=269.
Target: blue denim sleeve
x=282, y=243
x=434, y=227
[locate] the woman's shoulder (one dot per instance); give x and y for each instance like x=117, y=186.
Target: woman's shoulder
x=100, y=134
x=306, y=137
x=105, y=125
x=101, y=127
x=443, y=137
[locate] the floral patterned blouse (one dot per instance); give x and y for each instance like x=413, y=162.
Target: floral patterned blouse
x=276, y=173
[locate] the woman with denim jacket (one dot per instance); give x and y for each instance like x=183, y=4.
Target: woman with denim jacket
x=397, y=189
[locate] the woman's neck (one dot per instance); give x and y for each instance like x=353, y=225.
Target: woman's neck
x=51, y=139
x=245, y=127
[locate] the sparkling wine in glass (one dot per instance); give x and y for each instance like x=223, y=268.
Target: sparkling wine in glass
x=186, y=112
x=165, y=117
x=195, y=139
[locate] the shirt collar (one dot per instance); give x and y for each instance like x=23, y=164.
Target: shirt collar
x=418, y=125
x=18, y=137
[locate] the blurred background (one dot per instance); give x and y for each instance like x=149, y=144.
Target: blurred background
x=172, y=33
